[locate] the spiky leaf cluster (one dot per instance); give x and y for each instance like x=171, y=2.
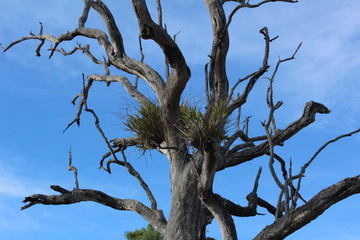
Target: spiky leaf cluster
x=198, y=127
x=147, y=126
x=195, y=127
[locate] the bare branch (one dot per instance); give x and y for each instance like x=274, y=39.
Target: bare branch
x=212, y=201
x=85, y=13
x=243, y=97
x=86, y=32
x=307, y=164
x=256, y=183
x=138, y=177
x=253, y=76
x=270, y=208
x=253, y=202
x=180, y=71
x=83, y=95
x=123, y=143
x=246, y=4
x=114, y=50
x=130, y=89
x=97, y=124
x=325, y=145
x=284, y=60
x=114, y=33
x=159, y=11
x=207, y=83
x=155, y=217
x=248, y=142
x=286, y=225
x=237, y=210
x=218, y=81
x=141, y=60
x=241, y=100
x=85, y=49
x=281, y=136
x=74, y=169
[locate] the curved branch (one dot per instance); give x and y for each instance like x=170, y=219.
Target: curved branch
x=180, y=71
x=118, y=58
x=135, y=174
x=114, y=33
x=85, y=32
x=249, y=86
x=303, y=215
x=85, y=49
x=123, y=143
x=83, y=18
x=246, y=4
x=217, y=206
x=155, y=217
x=308, y=117
x=115, y=52
x=307, y=164
x=218, y=81
x=124, y=81
x=250, y=210
x=253, y=77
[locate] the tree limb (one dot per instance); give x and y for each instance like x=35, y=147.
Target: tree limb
x=114, y=33
x=213, y=202
x=308, y=117
x=218, y=81
x=180, y=71
x=135, y=174
x=253, y=77
x=123, y=143
x=155, y=217
x=85, y=32
x=307, y=164
x=303, y=215
x=124, y=81
x=246, y=4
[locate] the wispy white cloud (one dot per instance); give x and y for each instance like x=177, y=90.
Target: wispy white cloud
x=14, y=186
x=14, y=183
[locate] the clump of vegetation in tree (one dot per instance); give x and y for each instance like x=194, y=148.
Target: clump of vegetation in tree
x=198, y=128
x=147, y=125
x=195, y=127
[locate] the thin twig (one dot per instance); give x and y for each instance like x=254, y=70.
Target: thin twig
x=141, y=60
x=159, y=12
x=207, y=83
x=97, y=121
x=307, y=164
x=74, y=169
x=136, y=174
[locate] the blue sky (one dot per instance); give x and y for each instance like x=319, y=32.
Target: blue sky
x=35, y=95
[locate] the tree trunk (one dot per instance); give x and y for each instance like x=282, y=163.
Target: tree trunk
x=186, y=217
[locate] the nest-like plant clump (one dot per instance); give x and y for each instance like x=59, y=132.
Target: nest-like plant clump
x=147, y=126
x=195, y=127
x=198, y=127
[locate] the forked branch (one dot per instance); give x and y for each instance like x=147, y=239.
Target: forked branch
x=155, y=217
x=307, y=164
x=135, y=174
x=74, y=169
x=303, y=215
x=180, y=71
x=308, y=117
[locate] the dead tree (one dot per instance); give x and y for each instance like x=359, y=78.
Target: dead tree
x=194, y=139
